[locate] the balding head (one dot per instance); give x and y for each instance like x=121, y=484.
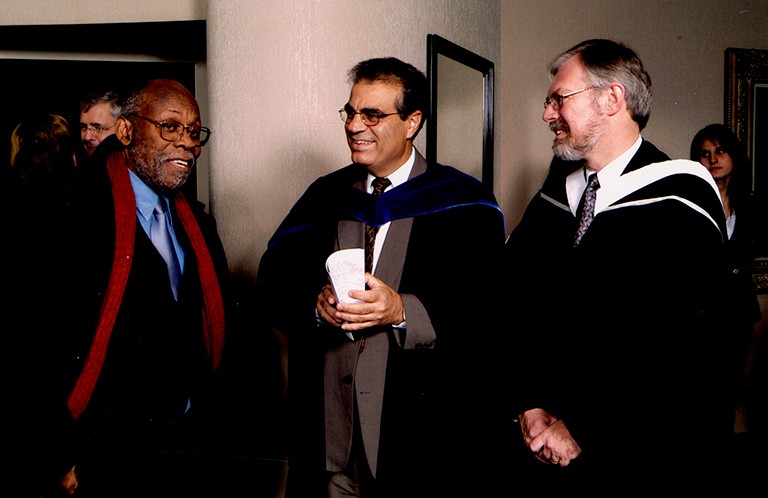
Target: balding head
x=162, y=132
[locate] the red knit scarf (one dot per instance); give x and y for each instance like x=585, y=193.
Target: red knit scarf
x=125, y=232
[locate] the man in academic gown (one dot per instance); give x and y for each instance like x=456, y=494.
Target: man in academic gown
x=622, y=378
x=388, y=393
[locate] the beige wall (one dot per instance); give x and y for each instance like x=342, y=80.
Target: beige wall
x=99, y=11
x=277, y=75
x=281, y=78
x=680, y=41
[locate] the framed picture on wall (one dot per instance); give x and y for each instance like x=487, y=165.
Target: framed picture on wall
x=746, y=113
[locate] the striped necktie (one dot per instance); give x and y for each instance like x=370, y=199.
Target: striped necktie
x=379, y=185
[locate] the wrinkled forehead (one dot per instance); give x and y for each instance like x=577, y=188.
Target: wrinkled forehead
x=379, y=94
x=172, y=105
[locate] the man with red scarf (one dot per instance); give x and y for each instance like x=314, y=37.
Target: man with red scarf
x=130, y=355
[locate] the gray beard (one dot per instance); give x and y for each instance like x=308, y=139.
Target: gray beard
x=567, y=153
x=152, y=173
x=572, y=150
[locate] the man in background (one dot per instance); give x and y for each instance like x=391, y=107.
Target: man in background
x=98, y=118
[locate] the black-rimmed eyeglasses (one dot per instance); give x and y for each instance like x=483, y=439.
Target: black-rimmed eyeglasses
x=171, y=131
x=369, y=117
x=556, y=100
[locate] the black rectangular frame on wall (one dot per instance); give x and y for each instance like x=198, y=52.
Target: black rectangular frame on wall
x=438, y=47
x=50, y=68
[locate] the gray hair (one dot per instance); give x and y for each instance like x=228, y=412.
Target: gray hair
x=106, y=97
x=606, y=61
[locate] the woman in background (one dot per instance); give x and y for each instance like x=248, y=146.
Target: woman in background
x=720, y=151
x=43, y=148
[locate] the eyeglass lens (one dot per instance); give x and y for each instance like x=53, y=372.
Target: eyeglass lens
x=348, y=115
x=556, y=100
x=94, y=128
x=173, y=132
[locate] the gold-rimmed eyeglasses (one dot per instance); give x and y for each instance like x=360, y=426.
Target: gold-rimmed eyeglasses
x=556, y=100
x=171, y=131
x=369, y=117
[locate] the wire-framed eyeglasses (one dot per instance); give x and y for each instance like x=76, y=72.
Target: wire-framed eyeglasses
x=368, y=116
x=556, y=100
x=95, y=128
x=171, y=131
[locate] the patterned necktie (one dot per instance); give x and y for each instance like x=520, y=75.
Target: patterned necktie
x=161, y=238
x=379, y=185
x=586, y=211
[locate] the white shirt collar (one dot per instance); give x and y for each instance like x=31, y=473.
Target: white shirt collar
x=577, y=181
x=399, y=176
x=615, y=168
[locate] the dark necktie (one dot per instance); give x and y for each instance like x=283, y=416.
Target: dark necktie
x=161, y=238
x=586, y=210
x=379, y=184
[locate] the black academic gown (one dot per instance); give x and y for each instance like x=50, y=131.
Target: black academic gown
x=435, y=413
x=623, y=335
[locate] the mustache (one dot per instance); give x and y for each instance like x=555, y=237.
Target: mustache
x=191, y=159
x=558, y=125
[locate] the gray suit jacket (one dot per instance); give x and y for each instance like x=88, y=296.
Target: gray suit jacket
x=367, y=357
x=423, y=403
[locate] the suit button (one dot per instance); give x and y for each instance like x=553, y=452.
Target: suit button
x=347, y=379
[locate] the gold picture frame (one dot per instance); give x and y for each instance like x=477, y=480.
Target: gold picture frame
x=746, y=95
x=746, y=113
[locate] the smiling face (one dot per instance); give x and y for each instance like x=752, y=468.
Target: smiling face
x=579, y=124
x=161, y=164
x=386, y=146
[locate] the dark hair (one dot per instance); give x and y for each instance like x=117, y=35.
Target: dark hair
x=740, y=185
x=606, y=61
x=132, y=96
x=42, y=147
x=139, y=93
x=415, y=95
